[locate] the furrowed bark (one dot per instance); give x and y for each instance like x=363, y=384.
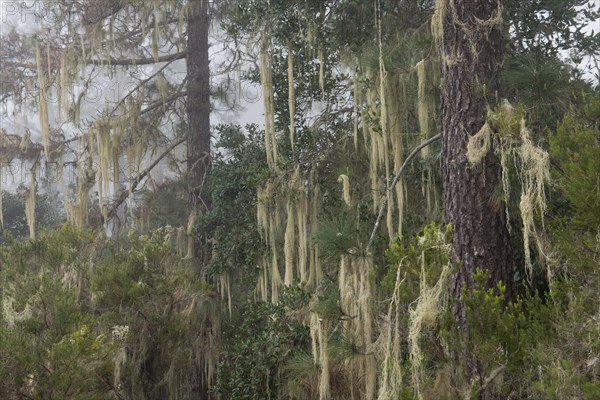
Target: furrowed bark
x=198, y=150
x=472, y=55
x=198, y=111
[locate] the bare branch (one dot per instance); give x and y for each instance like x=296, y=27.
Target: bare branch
x=486, y=382
x=140, y=61
x=160, y=103
x=126, y=192
x=393, y=185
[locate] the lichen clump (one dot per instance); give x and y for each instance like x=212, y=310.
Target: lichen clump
x=506, y=134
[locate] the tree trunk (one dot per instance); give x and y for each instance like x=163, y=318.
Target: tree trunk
x=472, y=55
x=198, y=147
x=198, y=111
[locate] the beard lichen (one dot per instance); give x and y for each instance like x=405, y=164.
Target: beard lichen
x=266, y=78
x=390, y=378
x=9, y=314
x=77, y=209
x=345, y=189
x=289, y=243
x=423, y=315
x=30, y=205
x=506, y=134
x=42, y=101
x=291, y=95
x=321, y=55
x=287, y=212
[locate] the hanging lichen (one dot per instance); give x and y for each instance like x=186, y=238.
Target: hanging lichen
x=324, y=360
x=182, y=18
x=275, y=275
x=385, y=133
x=423, y=315
x=268, y=218
x=42, y=101
x=156, y=31
x=506, y=134
x=262, y=217
x=77, y=209
x=437, y=23
x=225, y=290
x=382, y=74
x=372, y=138
x=262, y=287
x=534, y=173
x=266, y=78
x=134, y=151
x=345, y=302
x=355, y=113
x=427, y=77
x=284, y=217
x=289, y=243
x=355, y=302
x=190, y=234
x=302, y=222
x=315, y=274
x=390, y=379
x=101, y=129
x=364, y=325
x=291, y=95
x=119, y=361
x=423, y=109
x=345, y=189
x=396, y=110
x=116, y=144
x=321, y=55
x=163, y=87
x=30, y=205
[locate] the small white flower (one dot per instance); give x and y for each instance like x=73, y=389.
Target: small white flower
x=120, y=332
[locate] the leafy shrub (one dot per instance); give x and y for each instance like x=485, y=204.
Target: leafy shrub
x=268, y=337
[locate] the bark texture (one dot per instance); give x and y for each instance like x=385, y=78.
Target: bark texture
x=198, y=111
x=198, y=147
x=198, y=75
x=472, y=55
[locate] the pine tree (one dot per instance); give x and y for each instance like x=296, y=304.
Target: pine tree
x=470, y=39
x=198, y=112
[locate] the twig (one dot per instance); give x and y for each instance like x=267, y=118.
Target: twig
x=393, y=185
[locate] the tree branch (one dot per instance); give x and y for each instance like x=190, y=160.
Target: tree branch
x=486, y=382
x=159, y=103
x=140, y=61
x=126, y=192
x=393, y=185
x=112, y=62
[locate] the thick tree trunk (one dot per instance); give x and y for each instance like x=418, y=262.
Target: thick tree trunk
x=472, y=55
x=198, y=145
x=198, y=111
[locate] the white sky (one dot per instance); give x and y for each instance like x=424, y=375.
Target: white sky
x=109, y=90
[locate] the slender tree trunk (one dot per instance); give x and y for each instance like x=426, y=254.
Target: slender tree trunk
x=198, y=111
x=198, y=146
x=472, y=55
